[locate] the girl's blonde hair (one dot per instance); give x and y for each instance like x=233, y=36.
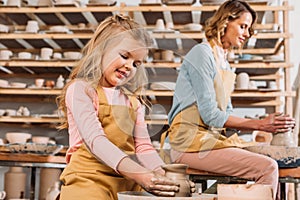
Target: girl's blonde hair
x=90, y=69
x=231, y=10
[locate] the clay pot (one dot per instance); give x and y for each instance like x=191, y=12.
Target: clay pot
x=15, y=183
x=283, y=139
x=177, y=172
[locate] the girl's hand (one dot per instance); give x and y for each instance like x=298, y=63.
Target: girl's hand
x=277, y=123
x=159, y=185
x=193, y=186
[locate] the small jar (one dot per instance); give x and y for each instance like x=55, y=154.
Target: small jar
x=177, y=173
x=15, y=183
x=283, y=139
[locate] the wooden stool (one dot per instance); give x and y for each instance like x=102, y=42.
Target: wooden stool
x=287, y=175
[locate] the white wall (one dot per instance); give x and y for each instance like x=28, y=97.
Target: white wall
x=295, y=41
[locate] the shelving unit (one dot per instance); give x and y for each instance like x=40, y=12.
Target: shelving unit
x=179, y=41
x=17, y=40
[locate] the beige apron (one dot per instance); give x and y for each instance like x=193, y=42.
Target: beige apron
x=188, y=133
x=85, y=177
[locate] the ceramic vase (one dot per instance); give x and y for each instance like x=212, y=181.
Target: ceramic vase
x=15, y=183
x=177, y=172
x=48, y=178
x=283, y=139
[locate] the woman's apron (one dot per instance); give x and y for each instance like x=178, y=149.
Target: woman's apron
x=86, y=177
x=188, y=133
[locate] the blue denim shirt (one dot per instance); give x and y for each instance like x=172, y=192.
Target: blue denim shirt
x=195, y=84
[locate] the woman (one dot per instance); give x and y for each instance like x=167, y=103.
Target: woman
x=202, y=109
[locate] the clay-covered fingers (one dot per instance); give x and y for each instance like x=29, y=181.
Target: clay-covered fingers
x=162, y=186
x=193, y=186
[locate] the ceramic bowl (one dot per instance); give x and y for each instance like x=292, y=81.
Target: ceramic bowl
x=192, y=27
x=2, y=112
x=72, y=55
x=17, y=137
x=58, y=29
x=3, y=83
x=40, y=139
x=10, y=112
x=17, y=85
x=262, y=137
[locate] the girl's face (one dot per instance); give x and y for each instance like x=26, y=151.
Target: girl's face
x=237, y=31
x=121, y=61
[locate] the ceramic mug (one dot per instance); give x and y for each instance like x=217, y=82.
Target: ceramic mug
x=272, y=85
x=32, y=26
x=46, y=53
x=57, y=55
x=39, y=82
x=24, y=55
x=4, y=28
x=167, y=55
x=242, y=81
x=13, y=3
x=2, y=195
x=160, y=24
x=5, y=54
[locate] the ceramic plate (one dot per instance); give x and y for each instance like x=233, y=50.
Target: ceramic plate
x=34, y=148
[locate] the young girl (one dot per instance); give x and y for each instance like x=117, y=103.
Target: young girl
x=110, y=149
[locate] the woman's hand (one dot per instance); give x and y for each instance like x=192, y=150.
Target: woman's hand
x=277, y=123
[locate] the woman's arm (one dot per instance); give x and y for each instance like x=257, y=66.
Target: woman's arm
x=274, y=123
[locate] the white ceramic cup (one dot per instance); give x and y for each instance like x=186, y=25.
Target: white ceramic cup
x=59, y=29
x=149, y=1
x=2, y=193
x=252, y=85
x=13, y=3
x=57, y=55
x=46, y=53
x=272, y=85
x=44, y=3
x=242, y=81
x=31, y=2
x=32, y=26
x=4, y=83
x=5, y=54
x=167, y=55
x=11, y=112
x=4, y=28
x=159, y=25
x=40, y=139
x=24, y=55
x=2, y=112
x=72, y=55
x=39, y=82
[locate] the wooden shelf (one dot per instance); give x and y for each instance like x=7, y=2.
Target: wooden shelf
x=54, y=120
x=121, y=9
x=37, y=63
x=27, y=91
x=29, y=120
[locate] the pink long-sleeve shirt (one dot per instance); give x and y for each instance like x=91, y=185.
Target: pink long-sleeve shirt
x=82, y=110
